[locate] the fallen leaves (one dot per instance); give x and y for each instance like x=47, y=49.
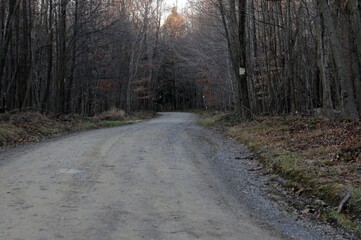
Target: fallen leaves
x=333, y=146
x=319, y=157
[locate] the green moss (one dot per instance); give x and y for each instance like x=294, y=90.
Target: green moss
x=343, y=220
x=331, y=192
x=355, y=201
x=356, y=194
x=291, y=165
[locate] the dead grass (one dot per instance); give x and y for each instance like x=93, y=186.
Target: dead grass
x=113, y=123
x=142, y=115
x=27, y=127
x=114, y=114
x=9, y=133
x=209, y=118
x=320, y=155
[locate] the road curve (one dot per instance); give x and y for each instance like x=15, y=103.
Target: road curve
x=148, y=181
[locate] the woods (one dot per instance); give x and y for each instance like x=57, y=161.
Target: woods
x=300, y=56
x=256, y=57
x=71, y=56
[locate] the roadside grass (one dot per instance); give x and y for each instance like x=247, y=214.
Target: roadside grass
x=135, y=116
x=217, y=118
x=114, y=123
x=343, y=220
x=210, y=121
x=9, y=133
x=28, y=127
x=113, y=114
x=85, y=125
x=209, y=118
x=321, y=156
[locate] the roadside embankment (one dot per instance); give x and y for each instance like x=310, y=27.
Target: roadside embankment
x=318, y=159
x=26, y=127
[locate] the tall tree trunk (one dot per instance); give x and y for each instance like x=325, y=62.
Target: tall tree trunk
x=130, y=82
x=69, y=85
x=62, y=57
x=2, y=23
x=355, y=19
x=289, y=61
x=327, y=106
x=23, y=55
x=251, y=56
x=50, y=36
x=348, y=106
x=29, y=66
x=245, y=102
x=6, y=35
x=230, y=27
x=354, y=10
x=356, y=76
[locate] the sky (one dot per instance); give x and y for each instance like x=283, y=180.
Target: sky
x=181, y=3
x=168, y=4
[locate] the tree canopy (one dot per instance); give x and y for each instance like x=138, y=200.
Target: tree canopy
x=254, y=57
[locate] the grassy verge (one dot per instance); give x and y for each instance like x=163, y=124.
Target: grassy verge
x=29, y=127
x=316, y=157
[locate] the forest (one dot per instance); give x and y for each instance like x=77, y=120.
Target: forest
x=253, y=57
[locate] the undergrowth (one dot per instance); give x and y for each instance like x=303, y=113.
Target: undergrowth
x=27, y=127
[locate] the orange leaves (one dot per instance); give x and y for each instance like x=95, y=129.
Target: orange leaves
x=174, y=25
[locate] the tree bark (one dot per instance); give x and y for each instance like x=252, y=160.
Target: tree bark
x=354, y=10
x=62, y=57
x=327, y=106
x=348, y=106
x=69, y=85
x=355, y=19
x=233, y=56
x=49, y=50
x=6, y=32
x=245, y=102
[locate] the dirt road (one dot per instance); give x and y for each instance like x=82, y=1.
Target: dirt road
x=161, y=179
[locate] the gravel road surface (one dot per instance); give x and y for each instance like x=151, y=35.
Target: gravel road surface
x=162, y=179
